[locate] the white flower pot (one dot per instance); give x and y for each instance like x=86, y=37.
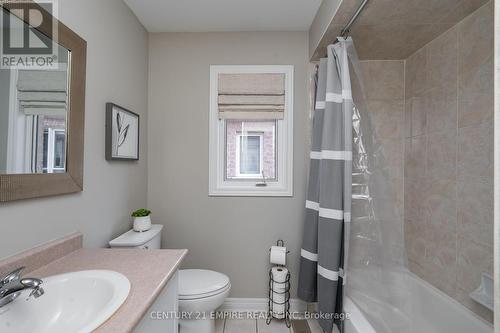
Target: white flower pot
x=142, y=223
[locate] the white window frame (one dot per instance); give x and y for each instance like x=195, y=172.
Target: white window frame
x=238, y=155
x=218, y=185
x=51, y=149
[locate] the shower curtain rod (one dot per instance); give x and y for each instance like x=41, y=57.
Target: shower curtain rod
x=345, y=32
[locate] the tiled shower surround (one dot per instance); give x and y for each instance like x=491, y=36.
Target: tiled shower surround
x=449, y=158
x=433, y=114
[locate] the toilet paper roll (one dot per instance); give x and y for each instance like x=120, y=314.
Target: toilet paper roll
x=279, y=285
x=278, y=255
x=279, y=275
x=278, y=306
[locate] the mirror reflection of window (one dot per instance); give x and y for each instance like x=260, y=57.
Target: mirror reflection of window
x=53, y=157
x=60, y=150
x=33, y=113
x=33, y=117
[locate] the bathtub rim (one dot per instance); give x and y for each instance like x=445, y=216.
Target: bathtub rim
x=358, y=320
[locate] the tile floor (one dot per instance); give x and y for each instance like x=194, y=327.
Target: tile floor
x=258, y=326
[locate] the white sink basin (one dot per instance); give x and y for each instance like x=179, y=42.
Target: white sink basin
x=74, y=302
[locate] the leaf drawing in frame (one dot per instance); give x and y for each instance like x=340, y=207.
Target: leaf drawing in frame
x=123, y=135
x=119, y=122
x=121, y=132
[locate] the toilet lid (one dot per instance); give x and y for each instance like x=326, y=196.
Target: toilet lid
x=200, y=282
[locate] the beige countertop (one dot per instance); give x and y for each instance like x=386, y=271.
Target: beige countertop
x=147, y=270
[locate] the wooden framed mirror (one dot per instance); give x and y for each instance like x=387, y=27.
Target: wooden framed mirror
x=42, y=104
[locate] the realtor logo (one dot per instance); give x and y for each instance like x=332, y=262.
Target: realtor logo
x=23, y=44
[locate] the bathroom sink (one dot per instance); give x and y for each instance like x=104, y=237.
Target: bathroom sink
x=73, y=302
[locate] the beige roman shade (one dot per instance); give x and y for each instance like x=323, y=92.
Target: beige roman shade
x=42, y=93
x=42, y=80
x=251, y=96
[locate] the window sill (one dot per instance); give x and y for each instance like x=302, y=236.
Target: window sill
x=247, y=190
x=262, y=192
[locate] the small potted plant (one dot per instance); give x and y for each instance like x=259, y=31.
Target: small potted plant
x=142, y=219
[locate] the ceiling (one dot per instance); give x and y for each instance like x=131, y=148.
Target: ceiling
x=395, y=29
x=224, y=15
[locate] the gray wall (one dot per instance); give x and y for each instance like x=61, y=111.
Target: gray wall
x=229, y=234
x=4, y=117
x=116, y=71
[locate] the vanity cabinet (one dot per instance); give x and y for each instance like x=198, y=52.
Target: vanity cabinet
x=161, y=317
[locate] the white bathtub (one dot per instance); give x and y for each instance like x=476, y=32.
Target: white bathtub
x=431, y=311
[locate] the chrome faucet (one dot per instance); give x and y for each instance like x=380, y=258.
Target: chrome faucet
x=12, y=285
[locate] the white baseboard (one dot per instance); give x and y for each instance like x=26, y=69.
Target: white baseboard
x=258, y=305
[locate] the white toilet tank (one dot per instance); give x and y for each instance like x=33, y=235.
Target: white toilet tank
x=149, y=240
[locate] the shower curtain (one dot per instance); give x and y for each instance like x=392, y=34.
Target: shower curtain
x=328, y=205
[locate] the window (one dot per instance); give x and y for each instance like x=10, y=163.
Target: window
x=54, y=150
x=249, y=156
x=251, y=119
x=243, y=138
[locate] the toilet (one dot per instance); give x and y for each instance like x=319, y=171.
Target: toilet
x=201, y=291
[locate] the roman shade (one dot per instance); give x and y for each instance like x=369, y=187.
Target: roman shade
x=42, y=80
x=251, y=96
x=42, y=92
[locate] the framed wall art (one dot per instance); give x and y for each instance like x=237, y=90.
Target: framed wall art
x=122, y=133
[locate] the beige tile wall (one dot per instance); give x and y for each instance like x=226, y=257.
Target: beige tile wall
x=389, y=29
x=448, y=166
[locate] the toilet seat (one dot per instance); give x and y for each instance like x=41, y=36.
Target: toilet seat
x=202, y=296
x=200, y=283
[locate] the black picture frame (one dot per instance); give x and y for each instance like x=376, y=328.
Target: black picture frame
x=118, y=130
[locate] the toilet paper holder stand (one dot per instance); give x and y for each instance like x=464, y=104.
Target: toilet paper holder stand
x=271, y=314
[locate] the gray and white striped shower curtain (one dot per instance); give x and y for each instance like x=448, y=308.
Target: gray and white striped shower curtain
x=327, y=227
